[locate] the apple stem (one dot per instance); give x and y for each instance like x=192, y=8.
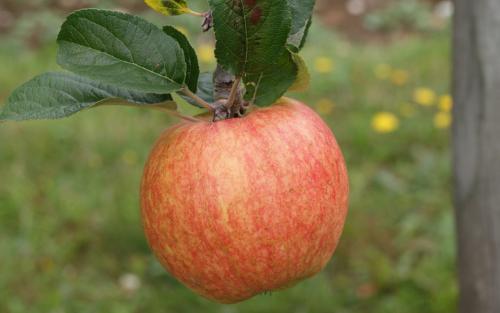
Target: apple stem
x=234, y=92
x=197, y=99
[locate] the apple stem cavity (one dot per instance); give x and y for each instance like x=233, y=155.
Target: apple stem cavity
x=228, y=98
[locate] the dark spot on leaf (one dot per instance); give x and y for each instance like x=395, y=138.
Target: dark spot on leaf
x=256, y=16
x=250, y=3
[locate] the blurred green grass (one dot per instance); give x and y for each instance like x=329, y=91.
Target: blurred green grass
x=71, y=238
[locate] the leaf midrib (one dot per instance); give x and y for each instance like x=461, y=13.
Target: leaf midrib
x=246, y=35
x=79, y=102
x=114, y=57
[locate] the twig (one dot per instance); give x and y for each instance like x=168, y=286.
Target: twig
x=182, y=116
x=159, y=107
x=194, y=13
x=234, y=92
x=197, y=99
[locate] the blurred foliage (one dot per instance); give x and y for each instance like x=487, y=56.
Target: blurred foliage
x=412, y=15
x=71, y=237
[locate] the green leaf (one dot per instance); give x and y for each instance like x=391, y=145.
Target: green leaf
x=305, y=34
x=301, y=11
x=122, y=50
x=272, y=83
x=192, y=67
x=58, y=95
x=169, y=7
x=250, y=33
x=251, y=39
x=186, y=108
x=205, y=89
x=303, y=79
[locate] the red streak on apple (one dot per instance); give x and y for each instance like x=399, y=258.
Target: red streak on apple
x=244, y=206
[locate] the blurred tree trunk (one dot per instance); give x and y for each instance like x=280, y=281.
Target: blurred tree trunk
x=476, y=136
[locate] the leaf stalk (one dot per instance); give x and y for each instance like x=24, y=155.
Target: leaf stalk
x=234, y=92
x=197, y=99
x=182, y=116
x=194, y=13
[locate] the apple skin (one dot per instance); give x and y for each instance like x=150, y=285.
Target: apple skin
x=244, y=206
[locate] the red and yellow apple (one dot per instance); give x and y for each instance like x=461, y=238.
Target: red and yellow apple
x=247, y=205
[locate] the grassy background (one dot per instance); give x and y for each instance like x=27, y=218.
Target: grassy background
x=70, y=233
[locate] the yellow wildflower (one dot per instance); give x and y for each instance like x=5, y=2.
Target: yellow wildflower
x=206, y=53
x=407, y=110
x=383, y=71
x=324, y=65
x=445, y=103
x=385, y=122
x=424, y=96
x=399, y=77
x=325, y=106
x=46, y=264
x=442, y=120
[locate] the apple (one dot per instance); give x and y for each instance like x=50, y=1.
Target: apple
x=247, y=205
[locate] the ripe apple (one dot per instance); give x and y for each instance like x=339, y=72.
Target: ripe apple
x=243, y=206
